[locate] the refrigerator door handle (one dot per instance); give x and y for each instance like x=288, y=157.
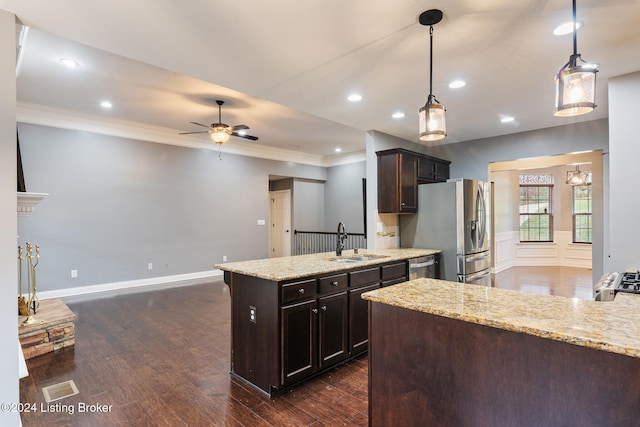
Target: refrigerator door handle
x=477, y=257
x=478, y=275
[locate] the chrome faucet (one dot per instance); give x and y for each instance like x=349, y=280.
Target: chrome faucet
x=341, y=237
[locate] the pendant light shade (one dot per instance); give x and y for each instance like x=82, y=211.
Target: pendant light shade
x=575, y=83
x=433, y=125
x=576, y=177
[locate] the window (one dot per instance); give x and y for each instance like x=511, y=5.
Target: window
x=581, y=195
x=536, y=214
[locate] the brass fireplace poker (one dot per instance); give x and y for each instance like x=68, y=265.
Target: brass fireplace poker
x=32, y=302
x=23, y=310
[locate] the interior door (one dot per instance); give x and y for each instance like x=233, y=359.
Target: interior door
x=280, y=223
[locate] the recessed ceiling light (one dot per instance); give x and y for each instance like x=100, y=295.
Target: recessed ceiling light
x=507, y=119
x=242, y=132
x=398, y=115
x=456, y=84
x=106, y=104
x=338, y=150
x=566, y=28
x=70, y=63
x=354, y=97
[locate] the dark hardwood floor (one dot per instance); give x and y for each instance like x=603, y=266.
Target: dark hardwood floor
x=161, y=358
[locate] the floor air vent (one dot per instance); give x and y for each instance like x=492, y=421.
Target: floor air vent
x=59, y=391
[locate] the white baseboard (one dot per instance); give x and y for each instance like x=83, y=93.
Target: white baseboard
x=135, y=285
x=509, y=252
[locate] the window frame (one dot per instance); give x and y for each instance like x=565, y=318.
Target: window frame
x=548, y=214
x=589, y=214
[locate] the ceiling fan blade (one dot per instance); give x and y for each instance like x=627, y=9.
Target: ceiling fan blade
x=200, y=124
x=238, y=127
x=251, y=137
x=187, y=133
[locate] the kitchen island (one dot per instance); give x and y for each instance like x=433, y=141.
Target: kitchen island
x=452, y=354
x=294, y=317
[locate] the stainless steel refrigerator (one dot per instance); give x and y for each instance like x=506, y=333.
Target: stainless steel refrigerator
x=453, y=216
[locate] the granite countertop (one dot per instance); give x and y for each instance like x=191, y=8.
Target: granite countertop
x=294, y=267
x=610, y=326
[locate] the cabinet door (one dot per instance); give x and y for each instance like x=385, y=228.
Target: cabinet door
x=441, y=171
x=426, y=169
x=397, y=182
x=299, y=337
x=359, y=320
x=408, y=183
x=333, y=328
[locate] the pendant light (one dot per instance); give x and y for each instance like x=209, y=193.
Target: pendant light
x=433, y=126
x=576, y=177
x=575, y=84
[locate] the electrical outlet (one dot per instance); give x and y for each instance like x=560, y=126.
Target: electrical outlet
x=150, y=266
x=74, y=274
x=224, y=258
x=252, y=314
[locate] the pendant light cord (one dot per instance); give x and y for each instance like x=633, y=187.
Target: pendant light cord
x=431, y=61
x=575, y=30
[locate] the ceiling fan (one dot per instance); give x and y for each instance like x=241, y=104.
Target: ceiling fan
x=220, y=132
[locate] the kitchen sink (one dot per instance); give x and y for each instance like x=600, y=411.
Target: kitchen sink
x=357, y=258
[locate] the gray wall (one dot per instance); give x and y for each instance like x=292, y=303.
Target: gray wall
x=624, y=92
x=343, y=197
x=9, y=392
x=117, y=204
x=308, y=205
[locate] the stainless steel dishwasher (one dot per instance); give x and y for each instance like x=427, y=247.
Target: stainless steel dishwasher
x=422, y=267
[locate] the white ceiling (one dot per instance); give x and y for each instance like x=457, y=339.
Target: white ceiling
x=285, y=67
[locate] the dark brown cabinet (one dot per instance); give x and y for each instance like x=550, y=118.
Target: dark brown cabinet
x=283, y=332
x=397, y=182
x=361, y=281
x=333, y=329
x=299, y=337
x=359, y=319
x=432, y=170
x=315, y=331
x=392, y=274
x=399, y=174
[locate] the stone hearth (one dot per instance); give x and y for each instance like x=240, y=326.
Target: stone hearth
x=54, y=332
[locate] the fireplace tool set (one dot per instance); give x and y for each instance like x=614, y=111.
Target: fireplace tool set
x=29, y=305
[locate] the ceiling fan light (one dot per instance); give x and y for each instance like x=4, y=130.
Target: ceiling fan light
x=433, y=126
x=219, y=135
x=575, y=90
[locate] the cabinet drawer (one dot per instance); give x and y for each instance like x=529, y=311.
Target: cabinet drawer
x=298, y=291
x=393, y=281
x=364, y=277
x=394, y=271
x=334, y=283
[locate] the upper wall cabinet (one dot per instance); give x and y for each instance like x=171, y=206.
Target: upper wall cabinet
x=397, y=181
x=399, y=173
x=431, y=170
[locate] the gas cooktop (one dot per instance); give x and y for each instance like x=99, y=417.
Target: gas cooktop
x=629, y=282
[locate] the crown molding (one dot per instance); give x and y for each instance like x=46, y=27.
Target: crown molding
x=66, y=119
